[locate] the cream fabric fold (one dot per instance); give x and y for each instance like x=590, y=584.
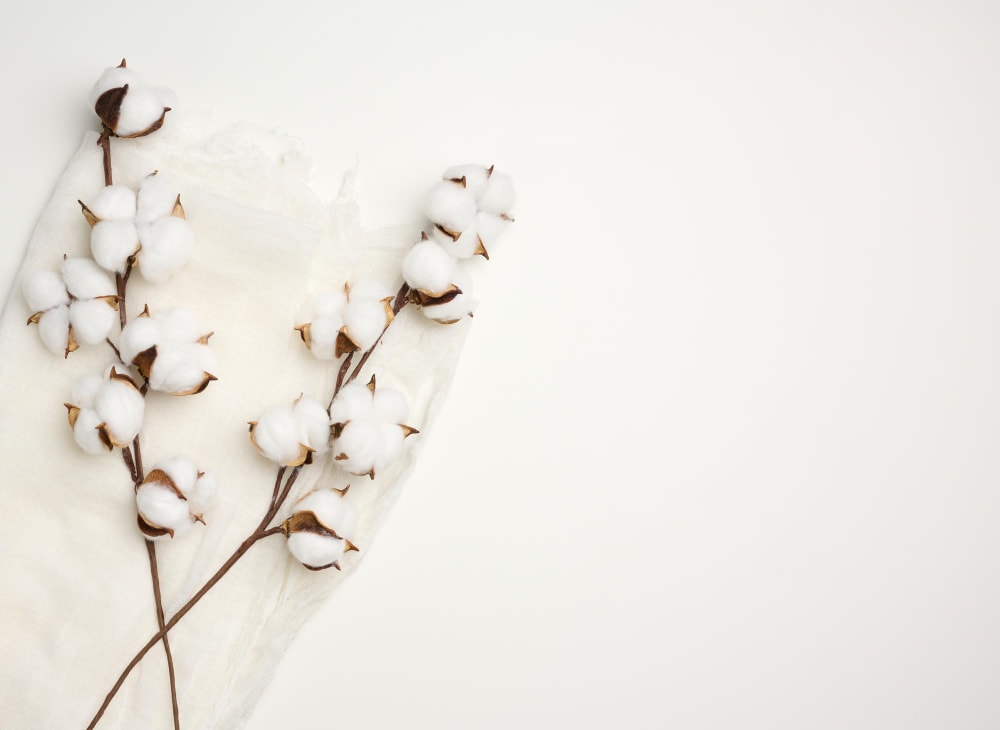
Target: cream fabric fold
x=75, y=594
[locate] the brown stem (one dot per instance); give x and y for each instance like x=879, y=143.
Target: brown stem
x=151, y=549
x=277, y=488
x=162, y=633
x=402, y=297
x=130, y=464
x=105, y=142
x=120, y=285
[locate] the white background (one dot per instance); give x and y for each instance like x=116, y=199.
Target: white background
x=722, y=451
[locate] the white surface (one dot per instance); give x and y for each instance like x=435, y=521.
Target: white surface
x=721, y=451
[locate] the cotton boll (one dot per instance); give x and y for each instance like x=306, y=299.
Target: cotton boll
x=112, y=78
x=160, y=506
x=167, y=246
x=53, y=328
x=276, y=436
x=86, y=434
x=365, y=321
x=450, y=205
x=314, y=423
x=44, y=290
x=320, y=529
x=489, y=229
x=369, y=289
x=392, y=444
x=332, y=510
x=323, y=336
x=121, y=407
x=352, y=402
x=329, y=304
x=428, y=267
x=112, y=242
x=389, y=406
x=359, y=446
x=114, y=203
x=138, y=336
x=459, y=307
x=475, y=176
x=85, y=279
x=156, y=198
x=92, y=320
x=497, y=196
x=182, y=368
x=140, y=110
x=466, y=246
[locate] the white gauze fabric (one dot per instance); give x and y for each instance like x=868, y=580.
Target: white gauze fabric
x=76, y=602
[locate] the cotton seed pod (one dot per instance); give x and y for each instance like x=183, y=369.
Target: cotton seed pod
x=77, y=308
x=451, y=205
x=291, y=434
x=169, y=351
x=454, y=309
x=126, y=105
x=148, y=229
x=430, y=272
x=347, y=320
x=106, y=412
x=492, y=194
x=368, y=427
x=172, y=497
x=321, y=528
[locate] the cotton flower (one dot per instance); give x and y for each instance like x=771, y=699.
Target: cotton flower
x=291, y=434
x=172, y=497
x=347, y=320
x=73, y=309
x=470, y=209
x=368, y=427
x=148, y=229
x=127, y=105
x=106, y=411
x=170, y=351
x=440, y=285
x=321, y=528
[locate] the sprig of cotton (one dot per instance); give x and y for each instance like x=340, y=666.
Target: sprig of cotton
x=368, y=425
x=321, y=528
x=291, y=434
x=172, y=497
x=106, y=411
x=127, y=105
x=75, y=308
x=148, y=228
x=170, y=350
x=347, y=319
x=470, y=209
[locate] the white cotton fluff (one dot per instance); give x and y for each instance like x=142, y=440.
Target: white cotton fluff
x=112, y=243
x=109, y=402
x=167, y=246
x=138, y=336
x=330, y=303
x=365, y=321
x=177, y=325
x=156, y=198
x=112, y=78
x=183, y=365
x=140, y=109
x=44, y=290
x=114, y=203
x=497, y=195
x=337, y=515
x=160, y=506
x=53, y=328
x=121, y=408
x=180, y=368
x=490, y=228
x=458, y=308
x=429, y=268
x=372, y=428
x=358, y=307
x=92, y=320
x=475, y=176
x=84, y=279
x=276, y=435
x=450, y=205
x=313, y=422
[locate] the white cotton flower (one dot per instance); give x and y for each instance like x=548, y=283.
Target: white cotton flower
x=450, y=311
x=148, y=229
x=368, y=427
x=321, y=528
x=441, y=286
x=347, y=320
x=172, y=497
x=77, y=308
x=490, y=197
x=126, y=104
x=106, y=412
x=168, y=351
x=291, y=434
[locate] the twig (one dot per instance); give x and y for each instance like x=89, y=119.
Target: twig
x=154, y=573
